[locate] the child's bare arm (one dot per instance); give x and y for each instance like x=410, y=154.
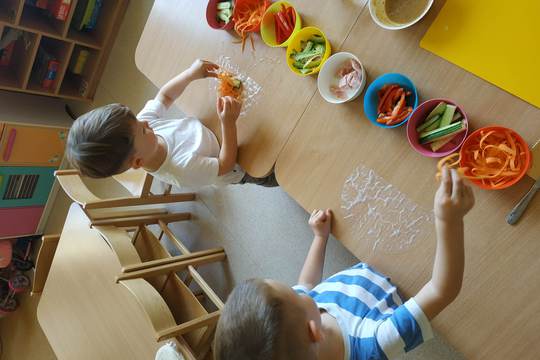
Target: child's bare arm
x=311, y=273
x=452, y=201
x=176, y=86
x=228, y=110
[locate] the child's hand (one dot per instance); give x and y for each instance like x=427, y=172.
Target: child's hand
x=201, y=69
x=320, y=221
x=228, y=109
x=454, y=198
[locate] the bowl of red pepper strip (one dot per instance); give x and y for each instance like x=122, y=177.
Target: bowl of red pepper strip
x=280, y=22
x=390, y=100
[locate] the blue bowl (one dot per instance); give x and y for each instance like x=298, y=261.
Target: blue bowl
x=371, y=99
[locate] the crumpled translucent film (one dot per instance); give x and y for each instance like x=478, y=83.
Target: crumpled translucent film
x=251, y=91
x=381, y=215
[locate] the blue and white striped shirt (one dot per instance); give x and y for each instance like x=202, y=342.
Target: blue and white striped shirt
x=374, y=321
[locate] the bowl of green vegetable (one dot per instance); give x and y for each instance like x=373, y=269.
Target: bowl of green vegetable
x=307, y=51
x=437, y=128
x=219, y=14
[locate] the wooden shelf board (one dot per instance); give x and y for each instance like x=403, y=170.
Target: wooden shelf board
x=33, y=21
x=83, y=39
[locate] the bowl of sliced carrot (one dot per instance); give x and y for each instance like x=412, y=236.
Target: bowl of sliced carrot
x=492, y=158
x=390, y=100
x=280, y=22
x=247, y=16
x=437, y=128
x=307, y=51
x=219, y=14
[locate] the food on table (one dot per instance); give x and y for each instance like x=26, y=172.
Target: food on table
x=229, y=85
x=441, y=126
x=224, y=11
x=350, y=78
x=247, y=18
x=404, y=11
x=392, y=107
x=492, y=157
x=284, y=22
x=310, y=55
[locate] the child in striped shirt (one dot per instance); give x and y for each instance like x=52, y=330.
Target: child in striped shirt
x=355, y=314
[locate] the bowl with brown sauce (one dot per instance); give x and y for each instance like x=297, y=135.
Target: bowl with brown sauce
x=398, y=14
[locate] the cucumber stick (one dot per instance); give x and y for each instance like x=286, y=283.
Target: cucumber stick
x=448, y=115
x=438, y=110
x=430, y=136
x=224, y=5
x=440, y=142
x=428, y=123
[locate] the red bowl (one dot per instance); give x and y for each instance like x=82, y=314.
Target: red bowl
x=464, y=158
x=211, y=17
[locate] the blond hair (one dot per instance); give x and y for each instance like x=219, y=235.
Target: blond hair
x=100, y=142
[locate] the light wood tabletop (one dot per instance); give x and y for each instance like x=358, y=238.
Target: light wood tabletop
x=176, y=33
x=496, y=314
x=83, y=312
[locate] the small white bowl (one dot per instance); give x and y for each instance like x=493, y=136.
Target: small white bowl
x=378, y=14
x=327, y=77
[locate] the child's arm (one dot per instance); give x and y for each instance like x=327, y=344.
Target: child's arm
x=176, y=86
x=311, y=273
x=228, y=110
x=452, y=201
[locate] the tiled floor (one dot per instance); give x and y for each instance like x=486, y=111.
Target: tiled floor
x=264, y=232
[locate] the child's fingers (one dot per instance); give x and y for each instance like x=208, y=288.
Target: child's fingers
x=446, y=183
x=219, y=104
x=457, y=185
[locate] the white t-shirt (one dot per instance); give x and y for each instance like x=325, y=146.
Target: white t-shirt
x=192, y=150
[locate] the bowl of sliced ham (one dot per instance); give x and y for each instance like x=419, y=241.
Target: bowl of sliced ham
x=342, y=78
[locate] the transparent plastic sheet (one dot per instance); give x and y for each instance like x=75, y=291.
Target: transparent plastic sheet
x=251, y=91
x=382, y=215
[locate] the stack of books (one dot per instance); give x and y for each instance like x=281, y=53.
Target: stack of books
x=86, y=15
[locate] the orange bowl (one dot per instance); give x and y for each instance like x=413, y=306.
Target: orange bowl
x=465, y=158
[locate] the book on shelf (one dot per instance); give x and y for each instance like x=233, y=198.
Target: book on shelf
x=45, y=68
x=85, y=17
x=59, y=9
x=78, y=61
x=6, y=53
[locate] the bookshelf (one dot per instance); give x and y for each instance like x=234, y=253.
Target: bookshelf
x=38, y=35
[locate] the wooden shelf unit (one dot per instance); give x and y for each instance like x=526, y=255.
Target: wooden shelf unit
x=63, y=41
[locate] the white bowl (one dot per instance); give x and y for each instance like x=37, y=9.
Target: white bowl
x=327, y=77
x=378, y=14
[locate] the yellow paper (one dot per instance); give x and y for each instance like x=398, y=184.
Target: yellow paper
x=497, y=40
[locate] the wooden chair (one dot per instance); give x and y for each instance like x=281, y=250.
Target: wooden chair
x=43, y=262
x=149, y=272
x=97, y=208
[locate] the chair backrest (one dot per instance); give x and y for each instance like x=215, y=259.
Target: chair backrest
x=75, y=188
x=136, y=181
x=150, y=274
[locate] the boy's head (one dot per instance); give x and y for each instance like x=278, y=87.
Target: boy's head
x=109, y=140
x=267, y=320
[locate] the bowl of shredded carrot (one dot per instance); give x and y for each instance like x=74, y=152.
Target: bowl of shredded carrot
x=247, y=16
x=492, y=158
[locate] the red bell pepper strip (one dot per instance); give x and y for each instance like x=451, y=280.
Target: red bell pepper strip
x=284, y=23
x=292, y=16
x=384, y=97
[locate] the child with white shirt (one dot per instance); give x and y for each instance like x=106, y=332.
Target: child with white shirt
x=355, y=314
x=183, y=152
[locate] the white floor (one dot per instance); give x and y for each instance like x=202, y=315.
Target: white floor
x=264, y=232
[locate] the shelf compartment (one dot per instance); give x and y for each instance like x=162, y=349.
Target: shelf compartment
x=15, y=74
x=9, y=10
x=57, y=50
x=37, y=19
x=79, y=84
x=97, y=37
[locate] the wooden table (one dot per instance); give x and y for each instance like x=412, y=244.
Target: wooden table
x=497, y=314
x=176, y=33
x=82, y=311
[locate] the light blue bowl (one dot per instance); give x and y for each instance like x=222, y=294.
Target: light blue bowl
x=371, y=99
